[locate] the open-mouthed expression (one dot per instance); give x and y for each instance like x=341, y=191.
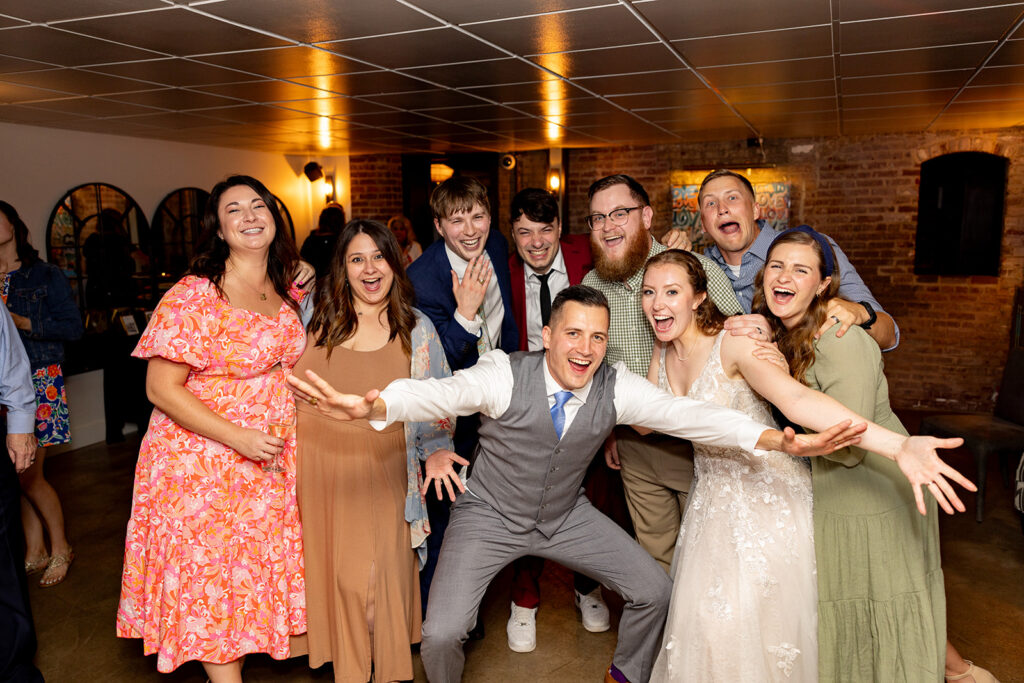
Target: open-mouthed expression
x=465, y=232
x=368, y=273
x=536, y=242
x=575, y=343
x=729, y=216
x=792, y=280
x=614, y=240
x=668, y=300
x=245, y=220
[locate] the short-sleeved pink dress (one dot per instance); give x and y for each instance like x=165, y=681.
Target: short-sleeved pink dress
x=213, y=556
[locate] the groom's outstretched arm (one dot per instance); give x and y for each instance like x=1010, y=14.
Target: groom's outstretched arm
x=484, y=388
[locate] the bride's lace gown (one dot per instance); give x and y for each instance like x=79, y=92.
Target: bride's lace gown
x=744, y=598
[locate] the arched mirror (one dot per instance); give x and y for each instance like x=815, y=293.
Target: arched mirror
x=286, y=216
x=176, y=228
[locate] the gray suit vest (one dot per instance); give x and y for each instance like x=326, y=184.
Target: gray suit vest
x=522, y=470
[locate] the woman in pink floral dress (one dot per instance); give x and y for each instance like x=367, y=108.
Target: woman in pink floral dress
x=213, y=558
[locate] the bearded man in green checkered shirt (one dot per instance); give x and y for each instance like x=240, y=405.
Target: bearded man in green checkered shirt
x=657, y=470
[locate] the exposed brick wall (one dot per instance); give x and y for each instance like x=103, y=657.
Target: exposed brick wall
x=863, y=191
x=376, y=181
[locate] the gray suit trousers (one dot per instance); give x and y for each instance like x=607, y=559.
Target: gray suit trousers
x=476, y=547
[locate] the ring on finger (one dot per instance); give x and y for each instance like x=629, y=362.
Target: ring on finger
x=480, y=280
x=313, y=400
x=835, y=317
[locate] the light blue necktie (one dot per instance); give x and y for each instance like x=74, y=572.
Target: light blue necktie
x=558, y=411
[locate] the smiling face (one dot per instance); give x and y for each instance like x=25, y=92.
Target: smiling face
x=245, y=221
x=668, y=300
x=575, y=343
x=465, y=232
x=620, y=250
x=367, y=271
x=792, y=279
x=729, y=216
x=536, y=242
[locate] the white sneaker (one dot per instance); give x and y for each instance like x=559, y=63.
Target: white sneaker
x=593, y=611
x=522, y=629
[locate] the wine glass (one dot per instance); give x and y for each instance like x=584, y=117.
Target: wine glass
x=281, y=424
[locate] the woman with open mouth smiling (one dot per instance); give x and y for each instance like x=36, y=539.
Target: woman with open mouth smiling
x=364, y=518
x=881, y=598
x=744, y=566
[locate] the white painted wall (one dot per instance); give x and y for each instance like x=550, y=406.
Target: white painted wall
x=39, y=165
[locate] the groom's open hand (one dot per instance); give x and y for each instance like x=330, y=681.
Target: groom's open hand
x=439, y=470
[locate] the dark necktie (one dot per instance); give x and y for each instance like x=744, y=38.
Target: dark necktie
x=545, y=299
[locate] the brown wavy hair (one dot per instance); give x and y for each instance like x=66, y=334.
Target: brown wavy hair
x=212, y=252
x=709, y=319
x=797, y=344
x=334, y=315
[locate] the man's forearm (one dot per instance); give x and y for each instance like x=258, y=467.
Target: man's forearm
x=883, y=331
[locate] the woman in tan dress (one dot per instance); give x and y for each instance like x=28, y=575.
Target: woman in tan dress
x=362, y=511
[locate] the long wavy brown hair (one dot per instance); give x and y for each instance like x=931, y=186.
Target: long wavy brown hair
x=334, y=316
x=797, y=343
x=708, y=318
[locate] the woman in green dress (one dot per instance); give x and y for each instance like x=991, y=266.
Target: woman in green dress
x=881, y=599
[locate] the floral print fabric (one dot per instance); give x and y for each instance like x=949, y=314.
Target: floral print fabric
x=213, y=556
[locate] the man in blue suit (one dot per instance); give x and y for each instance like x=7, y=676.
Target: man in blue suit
x=463, y=285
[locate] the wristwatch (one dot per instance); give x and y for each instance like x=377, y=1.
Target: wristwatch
x=872, y=316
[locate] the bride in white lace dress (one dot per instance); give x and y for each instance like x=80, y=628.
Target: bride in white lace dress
x=744, y=597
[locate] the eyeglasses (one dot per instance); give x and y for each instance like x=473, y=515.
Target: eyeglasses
x=617, y=217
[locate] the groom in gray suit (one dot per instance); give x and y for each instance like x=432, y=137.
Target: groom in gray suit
x=543, y=415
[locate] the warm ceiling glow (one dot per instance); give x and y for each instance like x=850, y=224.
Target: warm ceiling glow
x=440, y=172
x=554, y=181
x=554, y=103
x=324, y=126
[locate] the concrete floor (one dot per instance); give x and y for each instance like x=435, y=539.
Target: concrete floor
x=983, y=563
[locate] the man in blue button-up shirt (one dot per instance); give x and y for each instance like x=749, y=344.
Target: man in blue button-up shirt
x=731, y=216
x=17, y=636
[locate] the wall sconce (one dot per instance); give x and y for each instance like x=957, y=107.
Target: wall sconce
x=328, y=188
x=440, y=172
x=554, y=181
x=313, y=171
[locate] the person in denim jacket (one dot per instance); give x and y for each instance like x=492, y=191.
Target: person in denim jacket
x=40, y=301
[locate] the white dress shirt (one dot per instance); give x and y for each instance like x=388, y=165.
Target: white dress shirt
x=557, y=281
x=487, y=388
x=494, y=309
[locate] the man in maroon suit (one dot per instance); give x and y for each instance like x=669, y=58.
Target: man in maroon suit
x=545, y=263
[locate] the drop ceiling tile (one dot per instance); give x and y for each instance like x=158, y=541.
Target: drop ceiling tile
x=919, y=114
x=315, y=21
x=367, y=83
x=1011, y=53
x=112, y=127
x=424, y=99
x=7, y=22
x=492, y=71
x=12, y=92
x=1006, y=91
x=173, y=99
x=579, y=105
x=528, y=92
x=66, y=49
x=979, y=120
x=980, y=25
x=33, y=116
x=924, y=81
x=75, y=82
x=703, y=112
x=285, y=62
x=419, y=48
x=874, y=9
x=93, y=106
x=466, y=12
x=781, y=91
x=334, y=106
x=263, y=91
x=474, y=113
x=661, y=100
x=937, y=97
x=798, y=43
x=254, y=113
x=583, y=30
x=677, y=20
x=172, y=120
x=15, y=65
x=36, y=11
x=783, y=107
x=610, y=61
x=172, y=72
x=390, y=119
x=998, y=75
x=166, y=31
x=1010, y=105
x=676, y=79
x=815, y=68
x=913, y=61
